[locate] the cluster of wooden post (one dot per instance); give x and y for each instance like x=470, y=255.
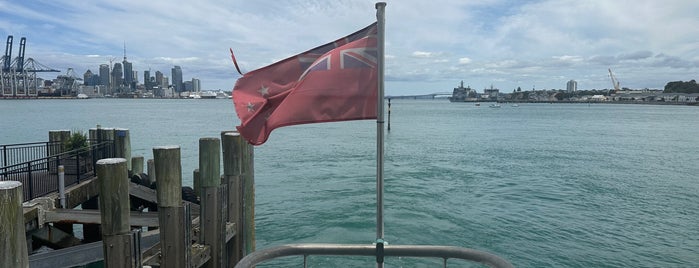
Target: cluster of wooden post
x=227, y=214
x=227, y=228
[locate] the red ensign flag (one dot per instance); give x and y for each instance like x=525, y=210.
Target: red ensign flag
x=333, y=82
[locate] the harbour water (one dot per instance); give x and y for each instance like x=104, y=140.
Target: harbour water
x=542, y=185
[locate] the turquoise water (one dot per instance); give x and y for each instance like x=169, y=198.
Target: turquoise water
x=542, y=185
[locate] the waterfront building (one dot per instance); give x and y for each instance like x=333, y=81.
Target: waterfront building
x=188, y=86
x=117, y=76
x=159, y=78
x=571, y=86
x=87, y=78
x=128, y=73
x=177, y=79
x=146, y=80
x=104, y=75
x=196, y=85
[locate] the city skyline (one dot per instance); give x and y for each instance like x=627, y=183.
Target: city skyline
x=430, y=46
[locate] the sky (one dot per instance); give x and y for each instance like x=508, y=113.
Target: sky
x=431, y=46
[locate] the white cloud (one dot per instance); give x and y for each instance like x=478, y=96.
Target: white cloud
x=465, y=60
x=423, y=54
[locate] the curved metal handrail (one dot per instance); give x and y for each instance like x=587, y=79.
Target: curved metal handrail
x=444, y=252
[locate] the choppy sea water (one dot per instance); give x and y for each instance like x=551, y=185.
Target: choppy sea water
x=542, y=185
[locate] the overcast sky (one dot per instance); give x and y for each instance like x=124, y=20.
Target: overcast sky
x=430, y=45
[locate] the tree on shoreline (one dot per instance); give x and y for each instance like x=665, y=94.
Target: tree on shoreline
x=682, y=87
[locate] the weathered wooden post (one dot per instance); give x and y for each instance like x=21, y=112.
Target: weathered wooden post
x=231, y=177
x=107, y=134
x=212, y=218
x=114, y=210
x=196, y=182
x=151, y=171
x=238, y=174
x=56, y=140
x=122, y=141
x=174, y=244
x=247, y=173
x=13, y=251
x=137, y=164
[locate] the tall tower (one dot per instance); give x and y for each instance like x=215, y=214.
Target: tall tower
x=177, y=79
x=146, y=80
x=571, y=86
x=104, y=74
x=159, y=79
x=128, y=71
x=117, y=78
x=87, y=78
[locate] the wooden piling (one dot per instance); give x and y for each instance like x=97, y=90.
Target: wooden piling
x=150, y=170
x=174, y=245
x=196, y=182
x=231, y=174
x=112, y=175
x=13, y=252
x=55, y=146
x=122, y=142
x=247, y=172
x=137, y=164
x=212, y=219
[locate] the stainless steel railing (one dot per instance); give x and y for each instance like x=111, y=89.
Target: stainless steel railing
x=443, y=252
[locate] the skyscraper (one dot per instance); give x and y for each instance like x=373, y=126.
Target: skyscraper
x=146, y=80
x=159, y=79
x=196, y=85
x=117, y=78
x=104, y=74
x=571, y=86
x=177, y=79
x=87, y=78
x=128, y=73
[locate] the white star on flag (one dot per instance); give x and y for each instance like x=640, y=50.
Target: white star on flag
x=263, y=91
x=251, y=107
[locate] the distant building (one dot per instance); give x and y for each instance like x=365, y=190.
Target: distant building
x=159, y=79
x=571, y=86
x=177, y=79
x=87, y=78
x=146, y=80
x=104, y=75
x=117, y=76
x=196, y=85
x=128, y=73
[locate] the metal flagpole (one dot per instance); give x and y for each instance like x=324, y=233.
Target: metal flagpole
x=380, y=6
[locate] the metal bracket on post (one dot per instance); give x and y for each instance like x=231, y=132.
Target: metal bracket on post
x=379, y=251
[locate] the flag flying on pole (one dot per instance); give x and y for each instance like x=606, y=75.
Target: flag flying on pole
x=333, y=82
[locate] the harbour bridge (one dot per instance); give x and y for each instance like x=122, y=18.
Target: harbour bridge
x=18, y=76
x=423, y=96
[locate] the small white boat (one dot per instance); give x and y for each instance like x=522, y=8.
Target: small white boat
x=478, y=104
x=494, y=105
x=515, y=105
x=83, y=96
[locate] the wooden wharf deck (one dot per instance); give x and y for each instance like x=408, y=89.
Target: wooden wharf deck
x=145, y=226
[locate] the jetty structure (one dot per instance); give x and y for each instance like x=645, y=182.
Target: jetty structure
x=127, y=218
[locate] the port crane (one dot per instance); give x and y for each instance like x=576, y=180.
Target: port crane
x=18, y=76
x=615, y=82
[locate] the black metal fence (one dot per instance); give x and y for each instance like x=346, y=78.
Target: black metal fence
x=11, y=154
x=40, y=175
